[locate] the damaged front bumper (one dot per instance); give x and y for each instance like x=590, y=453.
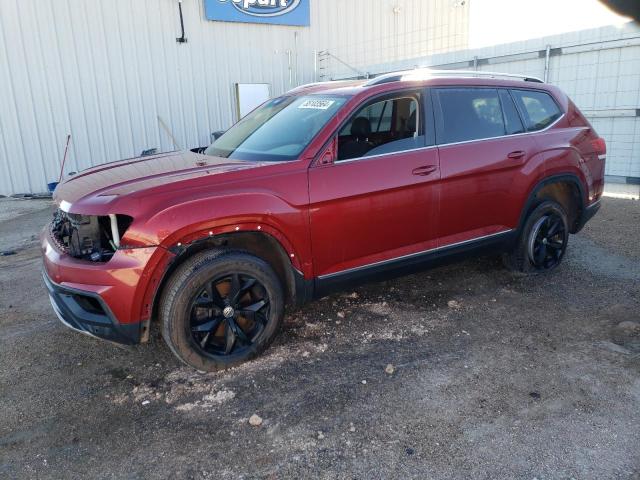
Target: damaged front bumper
x=109, y=300
x=86, y=312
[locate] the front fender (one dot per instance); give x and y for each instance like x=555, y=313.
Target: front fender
x=199, y=219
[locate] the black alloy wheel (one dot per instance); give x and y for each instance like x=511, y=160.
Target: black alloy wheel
x=542, y=240
x=547, y=241
x=229, y=314
x=221, y=308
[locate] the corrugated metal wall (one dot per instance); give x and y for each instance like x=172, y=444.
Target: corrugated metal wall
x=104, y=71
x=387, y=30
x=598, y=68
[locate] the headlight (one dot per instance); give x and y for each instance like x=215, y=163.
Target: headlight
x=89, y=237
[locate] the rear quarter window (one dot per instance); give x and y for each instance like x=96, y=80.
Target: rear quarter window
x=539, y=109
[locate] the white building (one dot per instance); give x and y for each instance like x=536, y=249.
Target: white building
x=110, y=73
x=114, y=76
x=598, y=68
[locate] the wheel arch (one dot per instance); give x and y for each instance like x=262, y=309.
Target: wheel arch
x=567, y=189
x=255, y=242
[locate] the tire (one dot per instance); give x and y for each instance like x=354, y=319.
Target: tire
x=199, y=323
x=532, y=244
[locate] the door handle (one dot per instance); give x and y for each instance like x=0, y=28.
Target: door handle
x=424, y=170
x=518, y=154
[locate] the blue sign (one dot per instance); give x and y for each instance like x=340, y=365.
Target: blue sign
x=278, y=12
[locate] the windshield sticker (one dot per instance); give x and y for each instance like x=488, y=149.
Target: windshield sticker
x=317, y=104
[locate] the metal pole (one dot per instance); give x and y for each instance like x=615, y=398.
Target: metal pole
x=166, y=129
x=295, y=43
x=546, y=64
x=315, y=65
x=64, y=158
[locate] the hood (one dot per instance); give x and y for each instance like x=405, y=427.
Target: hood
x=128, y=177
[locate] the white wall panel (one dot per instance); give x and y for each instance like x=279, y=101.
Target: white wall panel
x=105, y=70
x=598, y=68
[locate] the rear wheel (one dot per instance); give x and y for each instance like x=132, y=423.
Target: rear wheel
x=221, y=308
x=543, y=241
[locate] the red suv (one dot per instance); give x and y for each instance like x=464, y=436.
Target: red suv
x=327, y=186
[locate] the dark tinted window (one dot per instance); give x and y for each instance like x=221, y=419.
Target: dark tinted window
x=511, y=118
x=469, y=114
x=538, y=108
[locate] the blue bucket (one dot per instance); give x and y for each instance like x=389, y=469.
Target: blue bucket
x=52, y=186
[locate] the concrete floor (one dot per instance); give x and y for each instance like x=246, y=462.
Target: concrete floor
x=495, y=376
x=622, y=190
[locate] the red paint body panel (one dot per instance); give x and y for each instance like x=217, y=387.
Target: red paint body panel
x=482, y=189
x=374, y=209
x=123, y=282
x=327, y=217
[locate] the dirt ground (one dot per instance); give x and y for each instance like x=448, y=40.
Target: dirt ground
x=495, y=376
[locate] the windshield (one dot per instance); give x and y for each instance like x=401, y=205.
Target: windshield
x=278, y=130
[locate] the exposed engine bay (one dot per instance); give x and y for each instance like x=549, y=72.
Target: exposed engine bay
x=88, y=237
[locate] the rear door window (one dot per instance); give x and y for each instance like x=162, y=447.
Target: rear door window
x=538, y=108
x=469, y=114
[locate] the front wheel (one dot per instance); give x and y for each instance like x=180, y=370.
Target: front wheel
x=543, y=241
x=221, y=308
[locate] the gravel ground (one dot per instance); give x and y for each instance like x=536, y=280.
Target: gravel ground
x=494, y=376
x=21, y=221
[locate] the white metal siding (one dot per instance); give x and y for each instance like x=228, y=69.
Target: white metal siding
x=598, y=68
x=366, y=32
x=104, y=70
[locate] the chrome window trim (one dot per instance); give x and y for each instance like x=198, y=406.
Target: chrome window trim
x=436, y=145
x=349, y=160
x=340, y=162
x=410, y=255
x=504, y=136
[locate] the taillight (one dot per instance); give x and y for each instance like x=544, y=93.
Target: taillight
x=599, y=146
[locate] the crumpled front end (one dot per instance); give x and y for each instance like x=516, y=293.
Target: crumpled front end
x=95, y=286
x=88, y=237
x=86, y=312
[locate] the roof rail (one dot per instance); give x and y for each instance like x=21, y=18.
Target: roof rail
x=337, y=83
x=425, y=73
